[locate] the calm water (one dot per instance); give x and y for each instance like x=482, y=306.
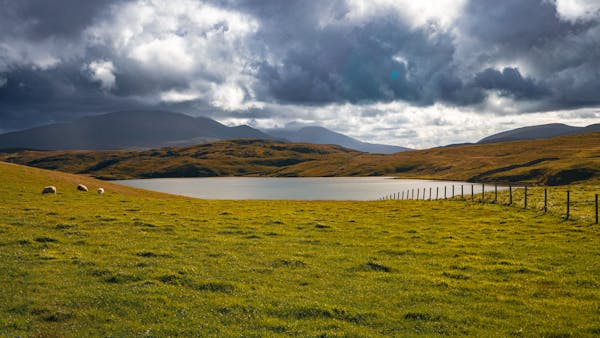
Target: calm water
x=305, y=188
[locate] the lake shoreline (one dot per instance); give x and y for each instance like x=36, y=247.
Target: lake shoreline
x=307, y=188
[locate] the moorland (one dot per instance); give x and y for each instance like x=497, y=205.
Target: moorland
x=553, y=161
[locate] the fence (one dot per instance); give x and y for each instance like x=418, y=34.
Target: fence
x=578, y=202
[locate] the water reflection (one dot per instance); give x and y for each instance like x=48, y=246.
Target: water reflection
x=303, y=188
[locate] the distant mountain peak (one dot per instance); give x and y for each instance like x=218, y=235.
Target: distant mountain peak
x=538, y=132
x=131, y=129
x=322, y=135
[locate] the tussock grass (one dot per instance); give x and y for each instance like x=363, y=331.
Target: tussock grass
x=380, y=269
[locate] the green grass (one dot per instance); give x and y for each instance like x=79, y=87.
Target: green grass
x=134, y=263
x=581, y=198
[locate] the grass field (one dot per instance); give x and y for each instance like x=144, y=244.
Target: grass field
x=136, y=263
x=581, y=198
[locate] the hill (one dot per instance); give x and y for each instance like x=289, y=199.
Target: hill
x=126, y=130
x=538, y=132
x=251, y=157
x=320, y=135
x=554, y=161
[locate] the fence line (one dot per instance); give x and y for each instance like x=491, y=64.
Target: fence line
x=547, y=204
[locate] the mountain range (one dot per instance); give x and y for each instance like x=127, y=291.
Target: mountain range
x=127, y=130
x=155, y=129
x=320, y=135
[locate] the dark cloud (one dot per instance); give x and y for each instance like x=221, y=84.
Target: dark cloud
x=563, y=54
x=62, y=18
x=381, y=60
x=513, y=25
x=298, y=53
x=509, y=82
x=32, y=97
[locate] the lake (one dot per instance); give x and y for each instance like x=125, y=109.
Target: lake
x=299, y=188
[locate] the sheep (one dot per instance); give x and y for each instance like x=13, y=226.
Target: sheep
x=100, y=191
x=82, y=187
x=49, y=190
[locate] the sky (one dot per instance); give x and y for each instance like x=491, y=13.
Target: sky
x=404, y=72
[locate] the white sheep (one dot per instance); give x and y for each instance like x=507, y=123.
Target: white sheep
x=82, y=187
x=49, y=190
x=100, y=191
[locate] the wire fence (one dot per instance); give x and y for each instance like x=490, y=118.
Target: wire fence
x=574, y=202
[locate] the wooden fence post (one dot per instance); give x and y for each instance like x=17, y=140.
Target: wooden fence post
x=462, y=195
x=423, y=194
x=430, y=193
x=445, y=192
x=418, y=193
x=452, y=191
x=495, y=193
x=482, y=192
x=472, y=194
x=596, y=208
x=568, y=204
x=437, y=193
x=545, y=199
x=525, y=200
x=510, y=194
x=412, y=194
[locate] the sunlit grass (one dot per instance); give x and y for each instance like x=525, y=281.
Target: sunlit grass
x=135, y=263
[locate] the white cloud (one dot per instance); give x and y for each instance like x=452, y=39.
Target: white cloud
x=416, y=127
x=39, y=55
x=416, y=13
x=104, y=72
x=180, y=36
x=3, y=81
x=179, y=96
x=185, y=41
x=228, y=97
x=574, y=10
x=168, y=54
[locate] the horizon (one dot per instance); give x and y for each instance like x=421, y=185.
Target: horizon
x=415, y=75
x=294, y=126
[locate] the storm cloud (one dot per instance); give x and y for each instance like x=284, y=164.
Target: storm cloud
x=355, y=66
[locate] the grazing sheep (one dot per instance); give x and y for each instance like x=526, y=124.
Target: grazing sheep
x=100, y=191
x=82, y=187
x=49, y=190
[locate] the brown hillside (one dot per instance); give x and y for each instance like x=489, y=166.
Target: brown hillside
x=554, y=161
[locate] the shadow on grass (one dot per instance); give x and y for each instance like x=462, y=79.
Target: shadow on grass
x=190, y=283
